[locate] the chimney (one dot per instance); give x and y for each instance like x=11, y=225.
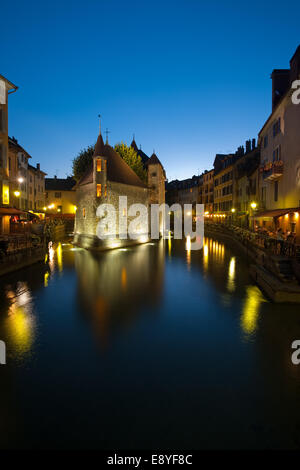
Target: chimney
x=295, y=65
x=248, y=146
x=38, y=166
x=253, y=143
x=280, y=84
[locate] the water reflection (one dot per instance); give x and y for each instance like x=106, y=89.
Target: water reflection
x=231, y=275
x=19, y=324
x=114, y=286
x=116, y=330
x=249, y=318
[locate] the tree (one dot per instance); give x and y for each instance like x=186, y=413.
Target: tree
x=83, y=160
x=132, y=159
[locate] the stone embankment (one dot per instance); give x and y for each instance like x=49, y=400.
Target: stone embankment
x=274, y=265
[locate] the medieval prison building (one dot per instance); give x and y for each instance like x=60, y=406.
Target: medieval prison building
x=108, y=178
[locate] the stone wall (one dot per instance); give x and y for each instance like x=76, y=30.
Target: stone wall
x=86, y=220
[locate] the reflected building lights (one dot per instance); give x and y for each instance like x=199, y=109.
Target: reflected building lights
x=231, y=275
x=59, y=257
x=20, y=321
x=188, y=249
x=251, y=309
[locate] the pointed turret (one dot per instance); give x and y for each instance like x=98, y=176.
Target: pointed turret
x=133, y=145
x=153, y=160
x=99, y=147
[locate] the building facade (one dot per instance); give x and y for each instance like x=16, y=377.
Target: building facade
x=156, y=184
x=36, y=188
x=6, y=88
x=279, y=140
x=208, y=191
x=108, y=178
x=18, y=174
x=223, y=183
x=60, y=195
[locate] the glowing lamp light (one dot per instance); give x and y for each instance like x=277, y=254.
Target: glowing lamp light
x=58, y=210
x=17, y=193
x=297, y=215
x=253, y=205
x=44, y=208
x=233, y=210
x=20, y=180
x=189, y=213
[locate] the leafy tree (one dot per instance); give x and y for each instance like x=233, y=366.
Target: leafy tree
x=132, y=159
x=82, y=162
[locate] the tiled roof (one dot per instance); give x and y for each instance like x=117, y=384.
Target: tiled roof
x=59, y=184
x=117, y=169
x=14, y=145
x=154, y=160
x=140, y=152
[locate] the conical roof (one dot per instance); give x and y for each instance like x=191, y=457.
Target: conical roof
x=134, y=146
x=117, y=169
x=153, y=160
x=99, y=147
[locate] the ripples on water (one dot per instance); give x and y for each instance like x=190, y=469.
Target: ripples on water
x=149, y=346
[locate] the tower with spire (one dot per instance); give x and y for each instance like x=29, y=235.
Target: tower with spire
x=107, y=178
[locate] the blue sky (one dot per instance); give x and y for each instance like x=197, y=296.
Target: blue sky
x=189, y=78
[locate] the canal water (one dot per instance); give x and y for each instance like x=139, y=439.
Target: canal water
x=150, y=347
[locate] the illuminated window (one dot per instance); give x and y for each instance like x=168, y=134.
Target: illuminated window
x=98, y=190
x=83, y=212
x=99, y=164
x=105, y=190
x=124, y=212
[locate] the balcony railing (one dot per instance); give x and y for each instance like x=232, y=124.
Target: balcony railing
x=272, y=171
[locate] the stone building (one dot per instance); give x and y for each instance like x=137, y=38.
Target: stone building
x=60, y=195
x=279, y=140
x=36, y=187
x=6, y=88
x=223, y=183
x=156, y=183
x=246, y=184
x=108, y=178
x=27, y=183
x=208, y=191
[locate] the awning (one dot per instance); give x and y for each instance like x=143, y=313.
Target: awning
x=10, y=211
x=274, y=213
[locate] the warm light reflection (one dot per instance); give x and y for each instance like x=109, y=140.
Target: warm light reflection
x=231, y=275
x=20, y=322
x=169, y=244
x=124, y=278
x=46, y=278
x=51, y=256
x=205, y=255
x=59, y=257
x=188, y=249
x=250, y=313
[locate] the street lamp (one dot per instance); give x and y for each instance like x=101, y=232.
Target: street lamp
x=253, y=205
x=17, y=193
x=233, y=210
x=20, y=180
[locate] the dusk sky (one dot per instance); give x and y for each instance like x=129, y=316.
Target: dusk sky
x=189, y=78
